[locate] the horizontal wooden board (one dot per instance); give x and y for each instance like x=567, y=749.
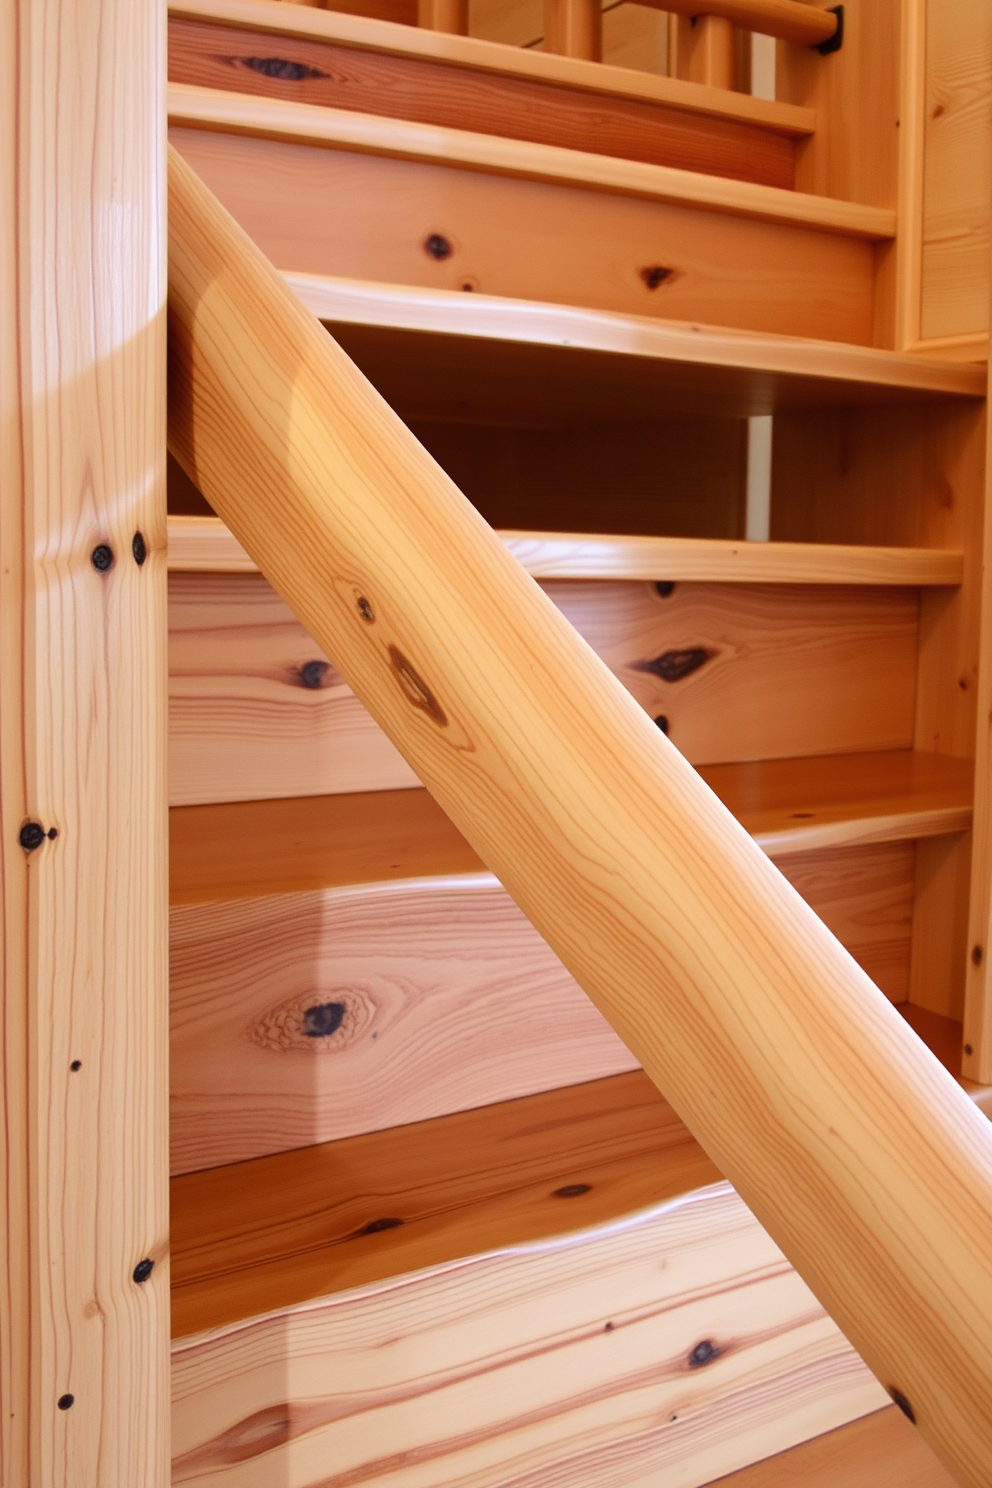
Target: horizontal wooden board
x=202, y=544
x=194, y=107
x=577, y=1362
x=503, y=61
x=739, y=672
x=505, y=234
x=881, y=1450
x=434, y=92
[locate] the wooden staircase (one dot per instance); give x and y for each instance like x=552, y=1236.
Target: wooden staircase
x=432, y=1224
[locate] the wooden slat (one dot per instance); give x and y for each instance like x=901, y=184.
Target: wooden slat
x=503, y=62
x=227, y=57
x=204, y=545
x=501, y=233
x=881, y=1450
x=83, y=1054
x=738, y=671
x=194, y=107
x=675, y=1343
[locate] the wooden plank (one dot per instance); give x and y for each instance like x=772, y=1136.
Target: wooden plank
x=398, y=87
x=193, y=107
x=880, y=1450
x=794, y=1068
x=83, y=1165
x=721, y=370
x=954, y=268
x=577, y=1360
x=737, y=671
x=204, y=545
x=503, y=61
x=504, y=234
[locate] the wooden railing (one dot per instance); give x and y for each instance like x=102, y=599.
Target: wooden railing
x=851, y=1144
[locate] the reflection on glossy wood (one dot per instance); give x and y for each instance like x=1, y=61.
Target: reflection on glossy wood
x=677, y=1342
x=738, y=672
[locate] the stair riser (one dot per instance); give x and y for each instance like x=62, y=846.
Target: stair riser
x=333, y=211
x=754, y=672
x=681, y=1339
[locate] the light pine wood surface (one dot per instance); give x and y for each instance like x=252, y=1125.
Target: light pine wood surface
x=880, y=1450
x=736, y=671
x=199, y=544
x=503, y=61
x=83, y=1040
x=639, y=879
x=674, y=1342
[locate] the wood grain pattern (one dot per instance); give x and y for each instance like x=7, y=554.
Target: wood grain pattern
x=739, y=672
x=431, y=92
x=193, y=107
x=575, y=1360
x=954, y=255
x=506, y=234
x=850, y=1142
x=503, y=61
x=880, y=1450
x=204, y=545
x=83, y=1160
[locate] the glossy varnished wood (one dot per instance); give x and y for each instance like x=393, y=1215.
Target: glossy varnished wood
x=202, y=544
x=675, y=1341
x=435, y=92
x=259, y=1235
x=798, y=1075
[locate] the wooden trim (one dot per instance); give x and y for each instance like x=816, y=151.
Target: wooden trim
x=204, y=545
x=971, y=347
x=84, y=1362
x=803, y=25
x=406, y=139
x=823, y=370
x=507, y=61
x=912, y=123
x=850, y=1143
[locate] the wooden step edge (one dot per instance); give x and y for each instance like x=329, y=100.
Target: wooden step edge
x=205, y=545
x=366, y=34
x=191, y=106
x=902, y=826
x=844, y=367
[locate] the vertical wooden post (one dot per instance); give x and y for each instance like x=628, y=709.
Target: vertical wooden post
x=83, y=1257
x=707, y=51
x=574, y=28
x=443, y=15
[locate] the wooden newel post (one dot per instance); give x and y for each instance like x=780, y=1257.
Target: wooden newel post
x=574, y=28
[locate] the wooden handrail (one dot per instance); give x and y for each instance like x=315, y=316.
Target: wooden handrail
x=853, y=1146
x=788, y=20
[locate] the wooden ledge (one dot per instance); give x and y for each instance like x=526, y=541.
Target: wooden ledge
x=712, y=367
x=306, y=123
x=240, y=849
x=275, y=1231
x=472, y=53
x=205, y=545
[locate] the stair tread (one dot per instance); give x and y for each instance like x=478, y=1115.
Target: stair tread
x=274, y=1231
x=243, y=849
x=199, y=544
x=881, y=1450
x=531, y=361
x=505, y=61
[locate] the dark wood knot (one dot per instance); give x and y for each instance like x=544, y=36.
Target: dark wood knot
x=704, y=1353
x=655, y=274
x=673, y=666
x=899, y=1399
x=312, y=674
x=323, y=1019
x=572, y=1190
x=416, y=688
x=375, y=1226
x=283, y=69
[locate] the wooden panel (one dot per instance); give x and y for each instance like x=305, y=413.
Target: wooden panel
x=432, y=92
x=753, y=672
x=309, y=1016
x=880, y=1450
x=865, y=896
x=957, y=167
x=83, y=1161
x=506, y=238
x=675, y=1346
x=202, y=544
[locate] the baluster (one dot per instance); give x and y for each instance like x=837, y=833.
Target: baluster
x=574, y=28
x=443, y=15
